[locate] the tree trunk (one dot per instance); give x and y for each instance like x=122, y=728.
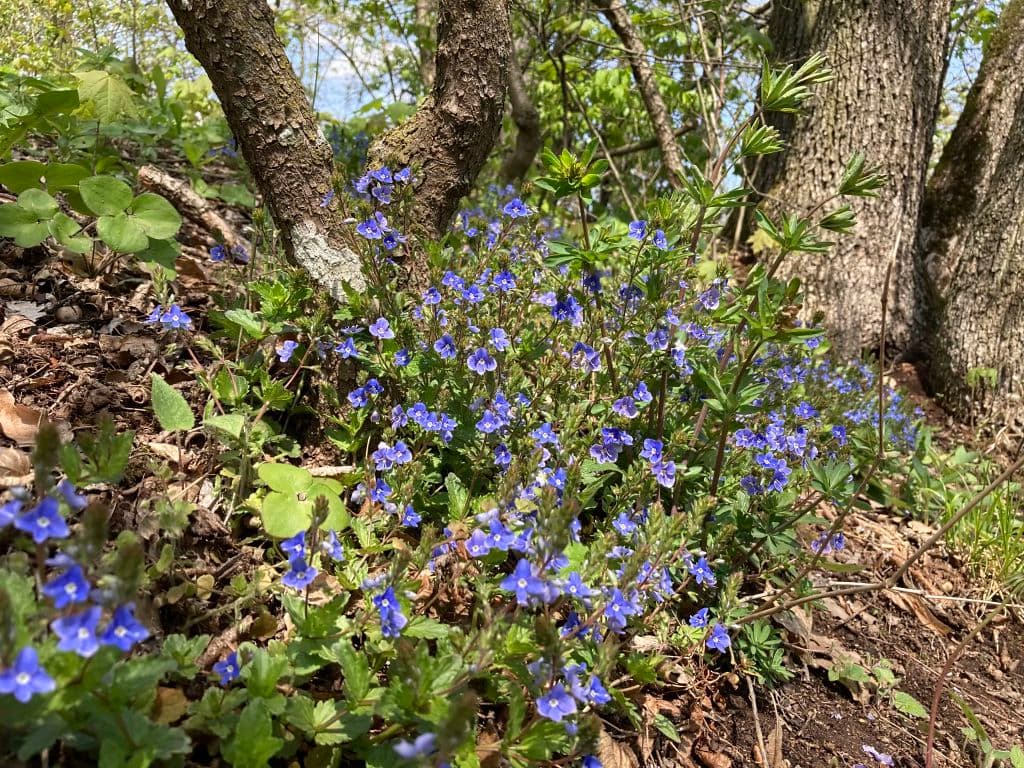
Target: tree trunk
x=425, y=41
x=276, y=129
x=889, y=58
x=643, y=73
x=972, y=241
x=452, y=133
x=527, y=120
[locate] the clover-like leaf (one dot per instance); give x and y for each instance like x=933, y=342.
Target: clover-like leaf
x=122, y=233
x=21, y=175
x=284, y=478
x=65, y=231
x=155, y=216
x=105, y=195
x=21, y=225
x=283, y=515
x=39, y=203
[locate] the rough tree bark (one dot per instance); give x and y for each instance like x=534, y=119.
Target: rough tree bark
x=270, y=116
x=972, y=240
x=621, y=23
x=425, y=40
x=524, y=114
x=888, y=57
x=452, y=133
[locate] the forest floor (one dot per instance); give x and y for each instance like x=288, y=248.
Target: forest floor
x=74, y=347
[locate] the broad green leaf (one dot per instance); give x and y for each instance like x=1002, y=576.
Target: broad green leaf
x=284, y=516
x=1017, y=757
x=246, y=320
x=39, y=203
x=105, y=195
x=355, y=669
x=171, y=408
x=21, y=175
x=163, y=253
x=426, y=628
x=284, y=478
x=108, y=95
x=65, y=231
x=908, y=705
x=60, y=176
x=122, y=233
x=156, y=216
x=22, y=226
x=254, y=742
x=54, y=102
x=338, y=516
x=230, y=424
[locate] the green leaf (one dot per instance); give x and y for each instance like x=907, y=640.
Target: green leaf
x=105, y=195
x=56, y=102
x=263, y=672
x=163, y=254
x=284, y=516
x=38, y=202
x=355, y=669
x=171, y=408
x=1017, y=757
x=230, y=424
x=666, y=728
x=155, y=216
x=247, y=321
x=426, y=628
x=65, y=231
x=253, y=743
x=22, y=226
x=21, y=175
x=62, y=176
x=908, y=705
x=284, y=478
x=541, y=740
x=109, y=95
x=122, y=233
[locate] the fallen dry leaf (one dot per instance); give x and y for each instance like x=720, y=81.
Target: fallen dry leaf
x=18, y=422
x=15, y=467
x=170, y=705
x=615, y=754
x=713, y=759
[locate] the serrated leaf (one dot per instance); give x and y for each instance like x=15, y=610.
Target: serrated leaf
x=170, y=406
x=157, y=217
x=425, y=628
x=247, y=321
x=105, y=195
x=355, y=669
x=253, y=743
x=908, y=705
x=230, y=424
x=109, y=95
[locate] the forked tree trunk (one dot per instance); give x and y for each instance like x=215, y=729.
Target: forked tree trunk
x=888, y=57
x=452, y=133
x=270, y=116
x=972, y=241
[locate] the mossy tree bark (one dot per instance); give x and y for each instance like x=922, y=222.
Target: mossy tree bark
x=972, y=241
x=276, y=129
x=889, y=59
x=452, y=133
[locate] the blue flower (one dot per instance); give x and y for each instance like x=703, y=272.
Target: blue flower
x=295, y=546
x=74, y=500
x=702, y=572
x=9, y=511
x=410, y=517
x=502, y=455
x=556, y=704
x=480, y=362
x=217, y=253
x=381, y=329
x=657, y=339
x=719, y=639
x=478, y=544
x=659, y=240
x=699, y=620
x=638, y=229
x=623, y=524
x=489, y=422
x=641, y=394
x=124, y=630
x=590, y=761
x=617, y=609
x=370, y=229
x=77, y=632
x=664, y=472
x=391, y=619
x=523, y=583
x=625, y=407
x=285, y=351
x=652, y=450
x=504, y=281
x=424, y=744
x=403, y=175
x=239, y=254
x=839, y=433
x=300, y=575
x=327, y=198
x=445, y=347
x=382, y=174
x=26, y=678
x=515, y=209
x=347, y=349
x=332, y=547
x=392, y=239
x=358, y=397
x=176, y=318
x=499, y=340
x=43, y=521
x=69, y=587
x=568, y=309
x=545, y=435
x=228, y=669
x=382, y=192
x=805, y=410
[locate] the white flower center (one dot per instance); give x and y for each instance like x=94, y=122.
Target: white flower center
x=42, y=522
x=521, y=583
x=83, y=633
x=120, y=631
x=23, y=678
x=70, y=588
